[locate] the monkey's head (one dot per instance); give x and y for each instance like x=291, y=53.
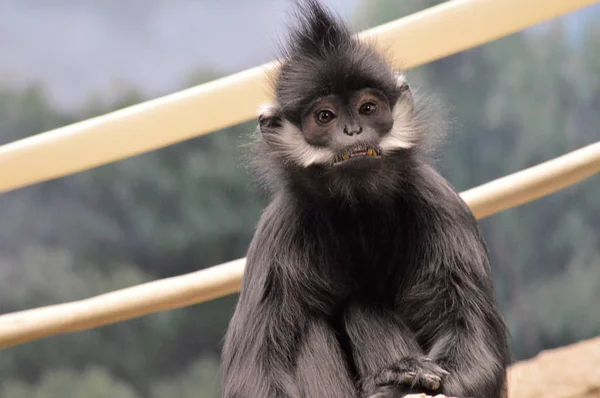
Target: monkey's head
x=343, y=120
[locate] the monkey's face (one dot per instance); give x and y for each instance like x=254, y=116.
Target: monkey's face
x=343, y=141
x=350, y=126
x=359, y=127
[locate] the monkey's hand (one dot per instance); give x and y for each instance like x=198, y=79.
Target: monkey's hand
x=409, y=375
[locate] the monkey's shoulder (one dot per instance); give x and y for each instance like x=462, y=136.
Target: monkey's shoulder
x=429, y=191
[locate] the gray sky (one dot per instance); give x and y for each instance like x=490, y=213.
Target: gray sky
x=78, y=47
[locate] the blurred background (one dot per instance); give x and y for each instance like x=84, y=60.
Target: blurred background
x=513, y=103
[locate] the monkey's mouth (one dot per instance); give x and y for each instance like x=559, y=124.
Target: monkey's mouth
x=356, y=153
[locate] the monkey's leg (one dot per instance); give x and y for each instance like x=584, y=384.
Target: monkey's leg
x=387, y=355
x=259, y=353
x=321, y=368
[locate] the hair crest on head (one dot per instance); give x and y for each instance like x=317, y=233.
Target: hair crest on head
x=322, y=56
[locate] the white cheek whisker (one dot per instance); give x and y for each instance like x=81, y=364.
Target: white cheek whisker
x=291, y=145
x=404, y=134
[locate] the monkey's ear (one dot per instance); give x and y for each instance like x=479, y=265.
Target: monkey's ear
x=269, y=116
x=402, y=83
x=404, y=92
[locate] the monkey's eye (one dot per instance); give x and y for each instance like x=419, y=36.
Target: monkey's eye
x=325, y=116
x=368, y=108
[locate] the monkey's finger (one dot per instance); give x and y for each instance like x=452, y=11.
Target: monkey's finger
x=407, y=378
x=426, y=396
x=430, y=381
x=442, y=396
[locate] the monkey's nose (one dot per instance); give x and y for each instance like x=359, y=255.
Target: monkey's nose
x=353, y=130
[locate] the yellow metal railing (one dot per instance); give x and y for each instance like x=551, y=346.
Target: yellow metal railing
x=449, y=28
x=224, y=279
x=425, y=36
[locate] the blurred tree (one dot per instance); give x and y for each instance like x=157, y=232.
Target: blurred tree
x=169, y=212
x=201, y=380
x=91, y=383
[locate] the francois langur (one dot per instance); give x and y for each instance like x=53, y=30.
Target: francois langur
x=367, y=275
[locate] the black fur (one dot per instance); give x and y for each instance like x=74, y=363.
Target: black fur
x=365, y=281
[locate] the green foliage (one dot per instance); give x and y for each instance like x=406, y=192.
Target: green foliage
x=91, y=383
x=201, y=380
x=26, y=112
x=552, y=311
x=52, y=276
x=133, y=350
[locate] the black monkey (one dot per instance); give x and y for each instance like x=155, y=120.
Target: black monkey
x=367, y=275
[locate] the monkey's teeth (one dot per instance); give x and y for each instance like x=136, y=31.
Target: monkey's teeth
x=364, y=152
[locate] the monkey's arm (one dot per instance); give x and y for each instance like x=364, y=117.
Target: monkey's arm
x=276, y=346
x=469, y=338
x=474, y=354
x=388, y=358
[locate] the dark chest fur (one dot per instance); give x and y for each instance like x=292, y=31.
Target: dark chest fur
x=369, y=250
